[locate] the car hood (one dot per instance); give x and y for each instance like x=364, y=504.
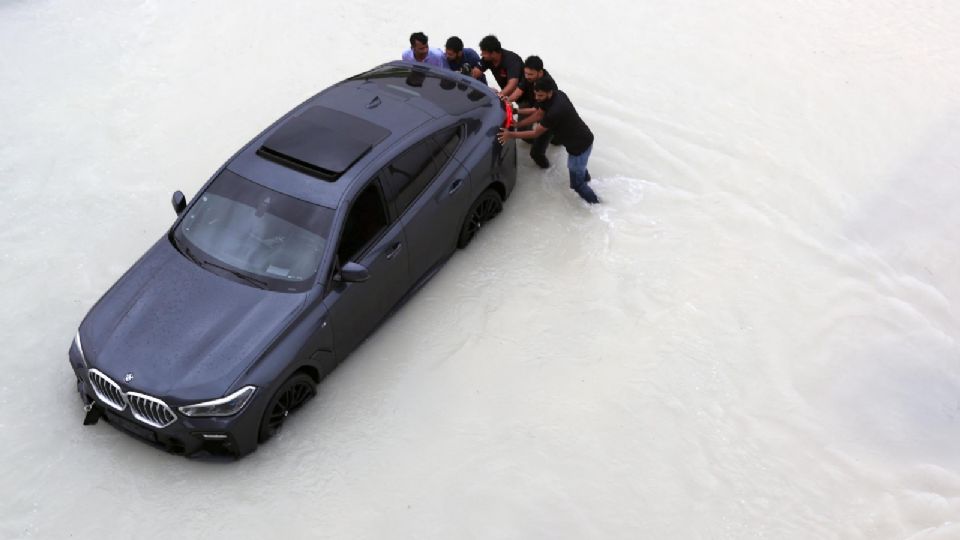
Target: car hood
x=180, y=330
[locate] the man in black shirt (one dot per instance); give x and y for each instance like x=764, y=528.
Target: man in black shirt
x=506, y=65
x=532, y=71
x=557, y=114
x=523, y=96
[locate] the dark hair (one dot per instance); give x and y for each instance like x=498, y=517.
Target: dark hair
x=490, y=44
x=544, y=84
x=418, y=36
x=534, y=63
x=455, y=44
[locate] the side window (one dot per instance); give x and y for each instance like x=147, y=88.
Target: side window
x=449, y=140
x=406, y=175
x=411, y=172
x=366, y=219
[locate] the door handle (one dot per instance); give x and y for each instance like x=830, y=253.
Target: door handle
x=394, y=249
x=455, y=186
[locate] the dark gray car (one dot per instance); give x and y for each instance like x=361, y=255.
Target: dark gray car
x=290, y=255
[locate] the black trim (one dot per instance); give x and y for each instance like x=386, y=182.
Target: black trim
x=300, y=165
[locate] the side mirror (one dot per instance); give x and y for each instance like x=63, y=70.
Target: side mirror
x=179, y=202
x=353, y=273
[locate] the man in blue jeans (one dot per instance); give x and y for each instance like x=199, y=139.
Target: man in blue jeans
x=556, y=114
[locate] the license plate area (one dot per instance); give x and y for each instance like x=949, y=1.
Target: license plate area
x=132, y=427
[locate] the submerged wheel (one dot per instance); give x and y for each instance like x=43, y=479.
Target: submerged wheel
x=291, y=396
x=484, y=209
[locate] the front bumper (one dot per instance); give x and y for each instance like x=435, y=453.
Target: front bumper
x=232, y=435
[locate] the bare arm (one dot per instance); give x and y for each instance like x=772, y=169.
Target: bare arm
x=505, y=135
x=535, y=116
x=509, y=88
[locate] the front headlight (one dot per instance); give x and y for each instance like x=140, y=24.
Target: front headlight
x=79, y=346
x=225, y=406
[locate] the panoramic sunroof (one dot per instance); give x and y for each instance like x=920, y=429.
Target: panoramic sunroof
x=322, y=142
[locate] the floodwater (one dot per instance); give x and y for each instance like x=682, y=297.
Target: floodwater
x=755, y=336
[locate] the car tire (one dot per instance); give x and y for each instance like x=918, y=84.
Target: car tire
x=484, y=209
x=292, y=394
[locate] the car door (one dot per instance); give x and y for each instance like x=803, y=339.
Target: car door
x=371, y=239
x=429, y=194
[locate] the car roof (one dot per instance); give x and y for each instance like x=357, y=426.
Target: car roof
x=316, y=150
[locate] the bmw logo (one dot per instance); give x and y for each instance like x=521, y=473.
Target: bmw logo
x=128, y=377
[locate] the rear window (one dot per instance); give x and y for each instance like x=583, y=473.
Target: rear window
x=453, y=96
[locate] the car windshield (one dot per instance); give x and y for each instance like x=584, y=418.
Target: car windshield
x=255, y=234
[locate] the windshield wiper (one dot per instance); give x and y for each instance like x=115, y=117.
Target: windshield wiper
x=249, y=279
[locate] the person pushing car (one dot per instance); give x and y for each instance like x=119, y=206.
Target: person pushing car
x=556, y=113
